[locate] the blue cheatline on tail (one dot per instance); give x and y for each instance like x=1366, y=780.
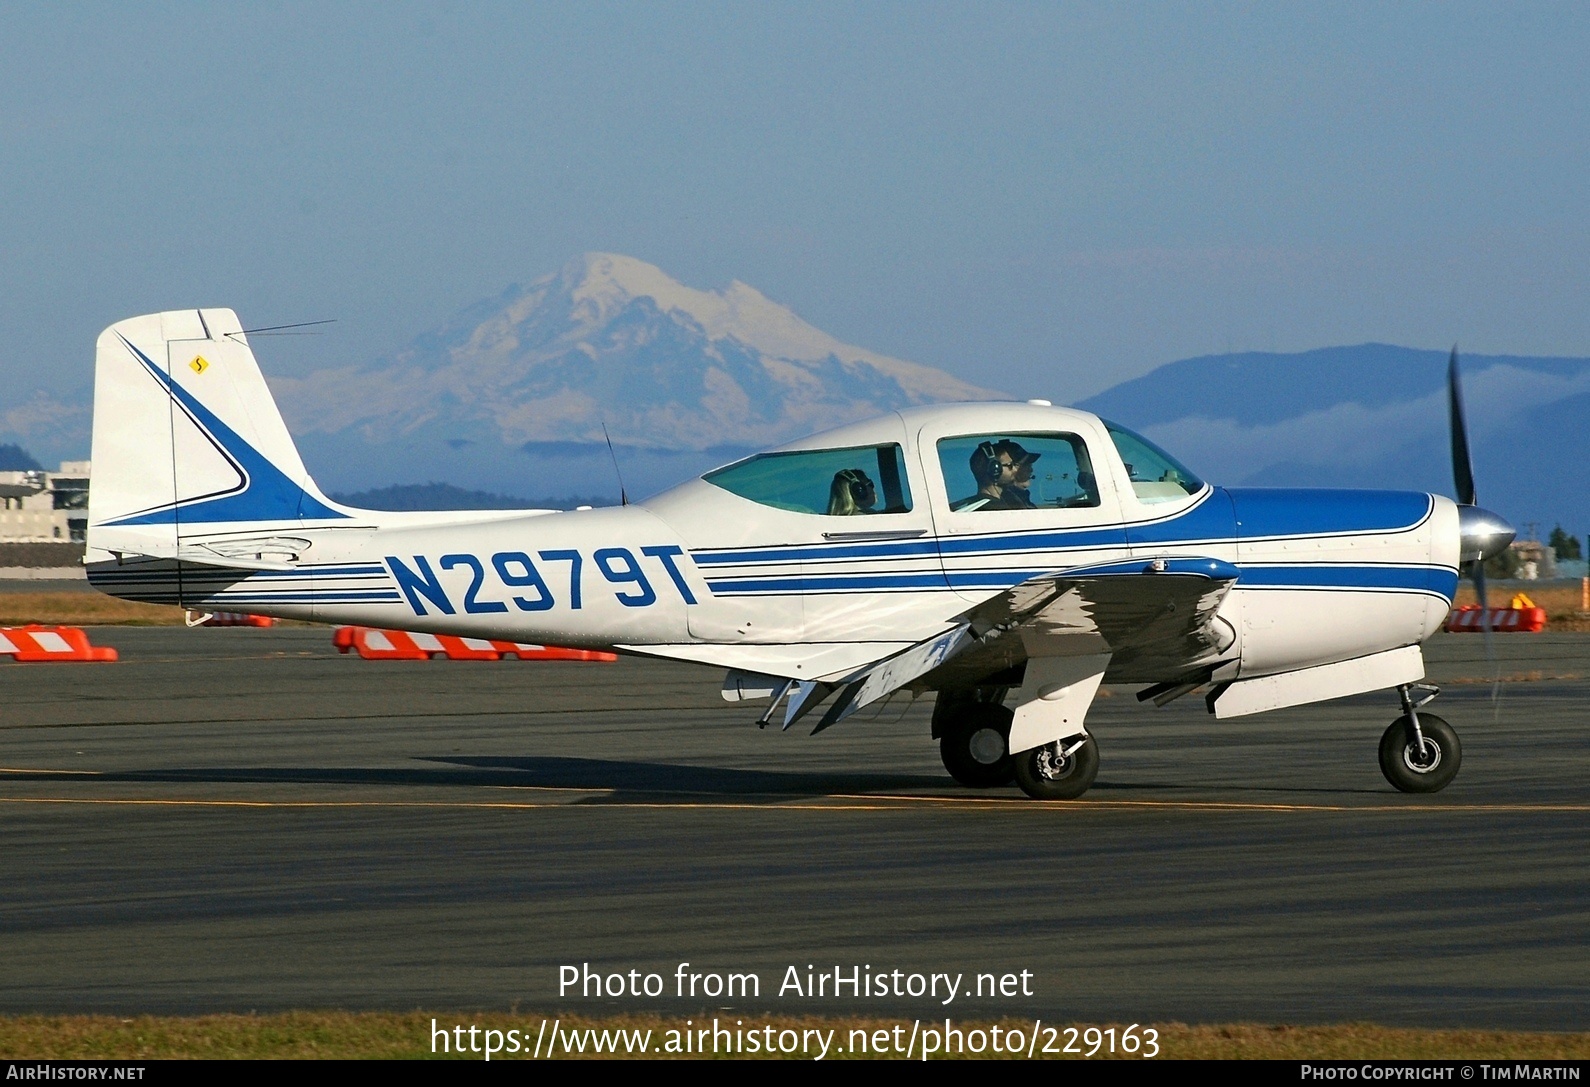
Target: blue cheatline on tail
x=263, y=493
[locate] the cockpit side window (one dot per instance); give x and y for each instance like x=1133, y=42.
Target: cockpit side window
x=1006, y=471
x=857, y=481
x=1156, y=475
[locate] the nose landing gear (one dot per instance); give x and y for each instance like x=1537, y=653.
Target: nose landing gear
x=1420, y=752
x=1062, y=770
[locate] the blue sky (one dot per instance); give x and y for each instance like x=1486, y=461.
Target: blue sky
x=1042, y=198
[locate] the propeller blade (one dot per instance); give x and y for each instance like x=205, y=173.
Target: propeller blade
x=1478, y=570
x=1462, y=464
x=1487, y=534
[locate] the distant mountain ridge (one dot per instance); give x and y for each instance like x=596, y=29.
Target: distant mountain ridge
x=41, y=429
x=412, y=497
x=13, y=458
x=1257, y=387
x=1373, y=415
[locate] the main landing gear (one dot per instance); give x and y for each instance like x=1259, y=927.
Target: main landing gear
x=1420, y=752
x=974, y=742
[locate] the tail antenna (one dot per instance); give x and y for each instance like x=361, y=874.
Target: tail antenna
x=623, y=496
x=279, y=330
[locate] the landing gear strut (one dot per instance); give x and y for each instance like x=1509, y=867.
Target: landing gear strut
x=1420, y=752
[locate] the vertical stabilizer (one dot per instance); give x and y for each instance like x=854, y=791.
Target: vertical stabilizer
x=187, y=438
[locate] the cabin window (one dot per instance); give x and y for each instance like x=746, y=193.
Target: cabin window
x=1156, y=475
x=991, y=472
x=862, y=480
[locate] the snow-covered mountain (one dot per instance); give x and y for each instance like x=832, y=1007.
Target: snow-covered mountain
x=516, y=387
x=510, y=396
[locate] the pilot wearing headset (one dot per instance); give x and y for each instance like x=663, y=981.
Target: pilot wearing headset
x=851, y=493
x=1015, y=492
x=1003, y=472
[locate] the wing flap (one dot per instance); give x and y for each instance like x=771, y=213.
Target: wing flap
x=887, y=676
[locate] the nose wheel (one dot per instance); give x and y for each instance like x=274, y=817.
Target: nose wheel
x=1062, y=770
x=1420, y=752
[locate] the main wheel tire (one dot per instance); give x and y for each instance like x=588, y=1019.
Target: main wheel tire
x=1045, y=774
x=975, y=746
x=1412, y=770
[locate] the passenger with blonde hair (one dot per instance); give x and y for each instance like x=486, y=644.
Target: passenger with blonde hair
x=851, y=493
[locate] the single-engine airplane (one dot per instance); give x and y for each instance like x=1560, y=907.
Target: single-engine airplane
x=1009, y=556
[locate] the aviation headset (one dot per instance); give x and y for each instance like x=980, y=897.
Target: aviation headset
x=858, y=482
x=985, y=459
x=985, y=464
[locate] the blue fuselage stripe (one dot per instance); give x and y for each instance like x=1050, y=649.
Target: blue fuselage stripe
x=817, y=584
x=1435, y=579
x=926, y=548
x=1222, y=517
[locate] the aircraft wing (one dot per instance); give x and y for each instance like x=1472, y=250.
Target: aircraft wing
x=1156, y=616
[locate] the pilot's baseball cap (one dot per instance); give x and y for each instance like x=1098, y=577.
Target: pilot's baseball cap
x=1017, y=454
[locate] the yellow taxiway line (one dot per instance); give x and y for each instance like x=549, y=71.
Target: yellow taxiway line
x=832, y=802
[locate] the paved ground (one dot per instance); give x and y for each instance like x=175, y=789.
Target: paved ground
x=242, y=819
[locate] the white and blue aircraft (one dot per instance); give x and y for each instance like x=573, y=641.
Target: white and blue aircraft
x=1008, y=556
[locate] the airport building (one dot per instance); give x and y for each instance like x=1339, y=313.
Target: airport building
x=45, y=507
x=43, y=522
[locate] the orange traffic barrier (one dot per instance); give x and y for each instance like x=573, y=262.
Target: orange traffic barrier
x=1469, y=619
x=229, y=619
x=34, y=643
x=403, y=645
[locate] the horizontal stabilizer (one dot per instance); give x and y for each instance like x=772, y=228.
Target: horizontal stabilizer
x=265, y=553
x=197, y=557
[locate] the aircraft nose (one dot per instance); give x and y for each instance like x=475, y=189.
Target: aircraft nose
x=1483, y=534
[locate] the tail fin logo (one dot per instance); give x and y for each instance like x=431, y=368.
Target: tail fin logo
x=198, y=365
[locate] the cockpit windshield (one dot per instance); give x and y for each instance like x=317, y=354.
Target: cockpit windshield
x=867, y=479
x=1156, y=475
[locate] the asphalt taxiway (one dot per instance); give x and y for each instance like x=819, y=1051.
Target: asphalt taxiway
x=245, y=819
